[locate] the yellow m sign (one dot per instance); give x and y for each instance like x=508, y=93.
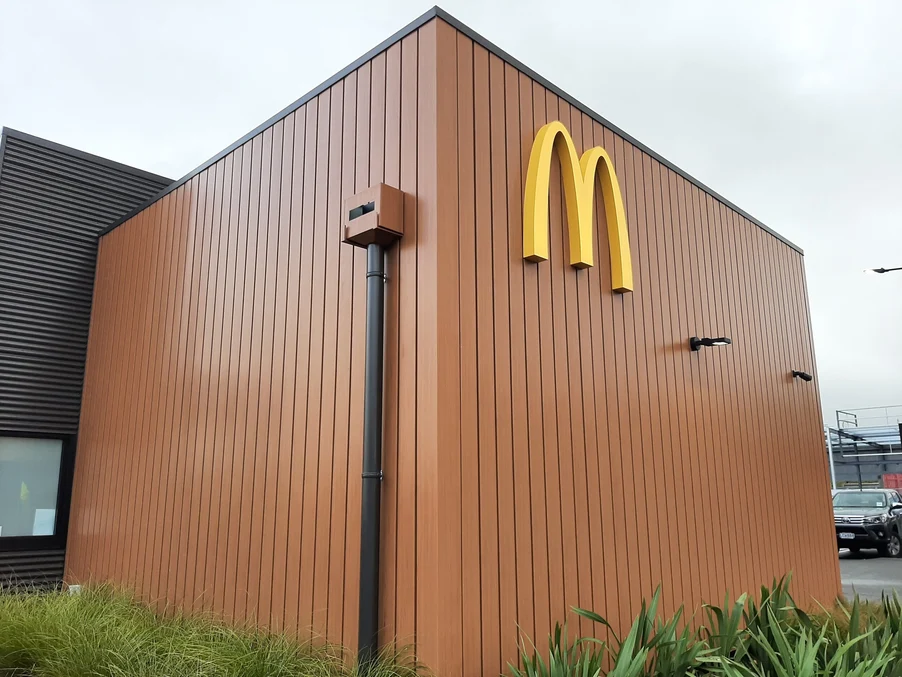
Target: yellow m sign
x=579, y=193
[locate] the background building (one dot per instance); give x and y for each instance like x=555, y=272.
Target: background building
x=866, y=447
x=548, y=442
x=53, y=203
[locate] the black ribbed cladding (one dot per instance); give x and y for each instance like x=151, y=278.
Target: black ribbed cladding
x=31, y=568
x=53, y=204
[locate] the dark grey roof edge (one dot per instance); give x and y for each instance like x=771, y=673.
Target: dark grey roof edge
x=290, y=108
x=437, y=12
x=504, y=56
x=2, y=149
x=82, y=155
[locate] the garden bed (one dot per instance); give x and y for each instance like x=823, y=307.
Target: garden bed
x=104, y=633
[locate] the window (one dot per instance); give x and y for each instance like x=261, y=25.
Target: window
x=859, y=499
x=29, y=480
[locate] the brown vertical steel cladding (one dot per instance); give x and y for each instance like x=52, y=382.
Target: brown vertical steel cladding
x=547, y=443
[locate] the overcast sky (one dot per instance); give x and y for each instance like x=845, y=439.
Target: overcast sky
x=792, y=110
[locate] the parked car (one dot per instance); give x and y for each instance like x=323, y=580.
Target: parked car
x=869, y=518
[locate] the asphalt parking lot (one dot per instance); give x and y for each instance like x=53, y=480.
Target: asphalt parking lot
x=869, y=576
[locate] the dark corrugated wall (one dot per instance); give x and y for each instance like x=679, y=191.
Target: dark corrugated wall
x=32, y=568
x=53, y=203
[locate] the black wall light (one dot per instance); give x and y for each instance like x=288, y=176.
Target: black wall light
x=696, y=343
x=802, y=375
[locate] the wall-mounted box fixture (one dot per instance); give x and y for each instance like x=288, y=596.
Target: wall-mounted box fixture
x=374, y=216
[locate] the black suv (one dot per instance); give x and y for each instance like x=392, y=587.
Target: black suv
x=869, y=518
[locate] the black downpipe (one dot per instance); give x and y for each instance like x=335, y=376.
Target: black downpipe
x=368, y=624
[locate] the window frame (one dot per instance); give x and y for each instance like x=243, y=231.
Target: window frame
x=63, y=496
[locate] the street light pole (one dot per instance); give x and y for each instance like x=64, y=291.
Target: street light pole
x=830, y=456
x=882, y=270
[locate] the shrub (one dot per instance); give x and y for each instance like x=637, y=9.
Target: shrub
x=106, y=633
x=751, y=637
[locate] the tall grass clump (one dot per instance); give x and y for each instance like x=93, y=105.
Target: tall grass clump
x=764, y=636
x=105, y=633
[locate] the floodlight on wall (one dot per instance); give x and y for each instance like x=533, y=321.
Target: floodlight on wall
x=802, y=375
x=696, y=343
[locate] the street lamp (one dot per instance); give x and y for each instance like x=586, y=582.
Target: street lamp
x=881, y=270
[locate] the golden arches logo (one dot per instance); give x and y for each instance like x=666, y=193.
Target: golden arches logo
x=579, y=193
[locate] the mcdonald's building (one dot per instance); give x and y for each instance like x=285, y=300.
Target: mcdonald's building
x=435, y=354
